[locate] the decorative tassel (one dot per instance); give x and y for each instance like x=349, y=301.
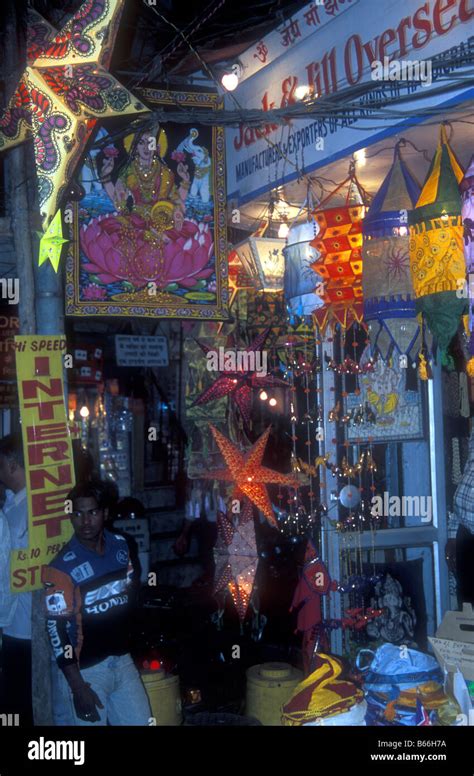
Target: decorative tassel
x=423, y=368
x=464, y=406
x=456, y=472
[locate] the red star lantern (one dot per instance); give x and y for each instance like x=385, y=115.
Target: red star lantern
x=239, y=382
x=248, y=474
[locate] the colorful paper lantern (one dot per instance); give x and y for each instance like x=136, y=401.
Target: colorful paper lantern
x=237, y=378
x=262, y=259
x=339, y=244
x=301, y=282
x=389, y=303
x=436, y=248
x=236, y=557
x=248, y=474
x=467, y=211
x=64, y=89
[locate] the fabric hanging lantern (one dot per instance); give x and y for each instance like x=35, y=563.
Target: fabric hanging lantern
x=467, y=212
x=389, y=303
x=262, y=259
x=303, y=288
x=339, y=244
x=436, y=248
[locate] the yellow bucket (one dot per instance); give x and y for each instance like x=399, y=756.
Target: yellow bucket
x=164, y=696
x=269, y=687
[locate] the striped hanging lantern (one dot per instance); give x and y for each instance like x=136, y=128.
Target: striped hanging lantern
x=339, y=244
x=467, y=211
x=436, y=248
x=301, y=283
x=389, y=303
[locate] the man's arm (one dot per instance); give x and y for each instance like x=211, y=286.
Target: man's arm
x=8, y=600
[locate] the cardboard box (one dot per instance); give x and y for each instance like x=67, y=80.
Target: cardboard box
x=453, y=644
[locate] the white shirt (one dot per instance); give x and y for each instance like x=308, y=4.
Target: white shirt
x=15, y=510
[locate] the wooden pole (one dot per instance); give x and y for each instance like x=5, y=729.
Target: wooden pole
x=24, y=219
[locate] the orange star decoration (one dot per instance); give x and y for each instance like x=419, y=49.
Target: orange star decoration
x=246, y=470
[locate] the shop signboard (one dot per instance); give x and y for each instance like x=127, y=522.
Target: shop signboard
x=299, y=26
x=354, y=48
x=48, y=455
x=141, y=351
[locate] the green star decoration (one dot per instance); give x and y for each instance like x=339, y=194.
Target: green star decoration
x=51, y=242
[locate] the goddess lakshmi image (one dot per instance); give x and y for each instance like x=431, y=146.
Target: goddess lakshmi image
x=145, y=233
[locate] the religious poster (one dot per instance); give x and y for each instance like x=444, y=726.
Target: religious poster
x=149, y=234
x=383, y=409
x=48, y=455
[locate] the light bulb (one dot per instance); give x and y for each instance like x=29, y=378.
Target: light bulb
x=360, y=158
x=263, y=395
x=84, y=411
x=272, y=402
x=283, y=230
x=301, y=92
x=229, y=81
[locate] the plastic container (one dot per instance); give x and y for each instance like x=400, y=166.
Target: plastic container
x=269, y=687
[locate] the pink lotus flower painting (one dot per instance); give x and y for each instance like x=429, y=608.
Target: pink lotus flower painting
x=151, y=238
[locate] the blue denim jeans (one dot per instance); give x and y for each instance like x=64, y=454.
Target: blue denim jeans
x=119, y=687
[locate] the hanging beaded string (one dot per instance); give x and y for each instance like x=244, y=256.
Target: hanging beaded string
x=309, y=422
x=294, y=438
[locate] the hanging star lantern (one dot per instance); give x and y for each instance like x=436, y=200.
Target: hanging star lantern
x=64, y=89
x=236, y=557
x=237, y=379
x=248, y=474
x=51, y=242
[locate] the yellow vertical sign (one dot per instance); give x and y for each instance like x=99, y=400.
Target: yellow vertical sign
x=47, y=452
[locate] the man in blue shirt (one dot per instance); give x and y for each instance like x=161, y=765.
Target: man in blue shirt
x=15, y=616
x=88, y=602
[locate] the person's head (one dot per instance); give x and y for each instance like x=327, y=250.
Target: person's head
x=90, y=506
x=12, y=471
x=145, y=150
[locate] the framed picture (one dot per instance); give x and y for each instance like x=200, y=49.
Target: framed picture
x=384, y=410
x=149, y=234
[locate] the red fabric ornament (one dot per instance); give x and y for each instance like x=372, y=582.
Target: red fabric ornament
x=313, y=584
